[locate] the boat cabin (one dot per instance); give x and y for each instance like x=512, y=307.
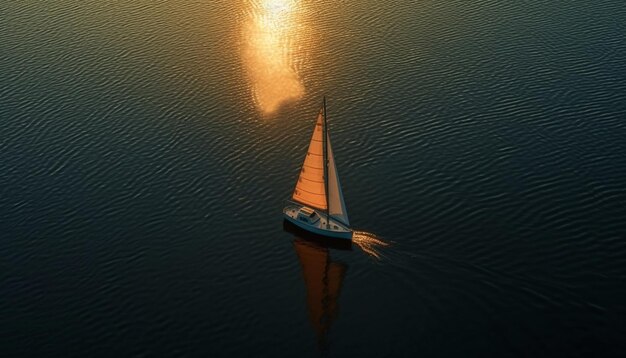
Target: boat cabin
x=308, y=215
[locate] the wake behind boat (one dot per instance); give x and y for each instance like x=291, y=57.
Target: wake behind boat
x=318, y=204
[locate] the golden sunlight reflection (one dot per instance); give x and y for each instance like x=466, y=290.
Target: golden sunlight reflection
x=270, y=34
x=369, y=243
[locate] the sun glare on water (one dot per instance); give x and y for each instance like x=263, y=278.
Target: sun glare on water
x=270, y=34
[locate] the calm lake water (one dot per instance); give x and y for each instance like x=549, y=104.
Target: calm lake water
x=147, y=148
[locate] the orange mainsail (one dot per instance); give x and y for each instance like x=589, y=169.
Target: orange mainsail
x=310, y=188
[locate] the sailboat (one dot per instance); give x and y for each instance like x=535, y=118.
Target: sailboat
x=317, y=202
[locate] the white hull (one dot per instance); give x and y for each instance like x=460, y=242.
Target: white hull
x=335, y=229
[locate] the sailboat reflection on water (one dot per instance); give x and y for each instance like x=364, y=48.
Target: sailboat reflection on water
x=323, y=279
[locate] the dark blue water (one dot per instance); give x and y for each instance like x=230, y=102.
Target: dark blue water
x=146, y=150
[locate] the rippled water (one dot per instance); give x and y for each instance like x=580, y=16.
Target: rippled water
x=147, y=147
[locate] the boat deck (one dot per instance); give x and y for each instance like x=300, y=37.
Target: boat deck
x=333, y=229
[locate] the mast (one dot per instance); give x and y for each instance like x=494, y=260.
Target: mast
x=326, y=166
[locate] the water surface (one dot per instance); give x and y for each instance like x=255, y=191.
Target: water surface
x=147, y=147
